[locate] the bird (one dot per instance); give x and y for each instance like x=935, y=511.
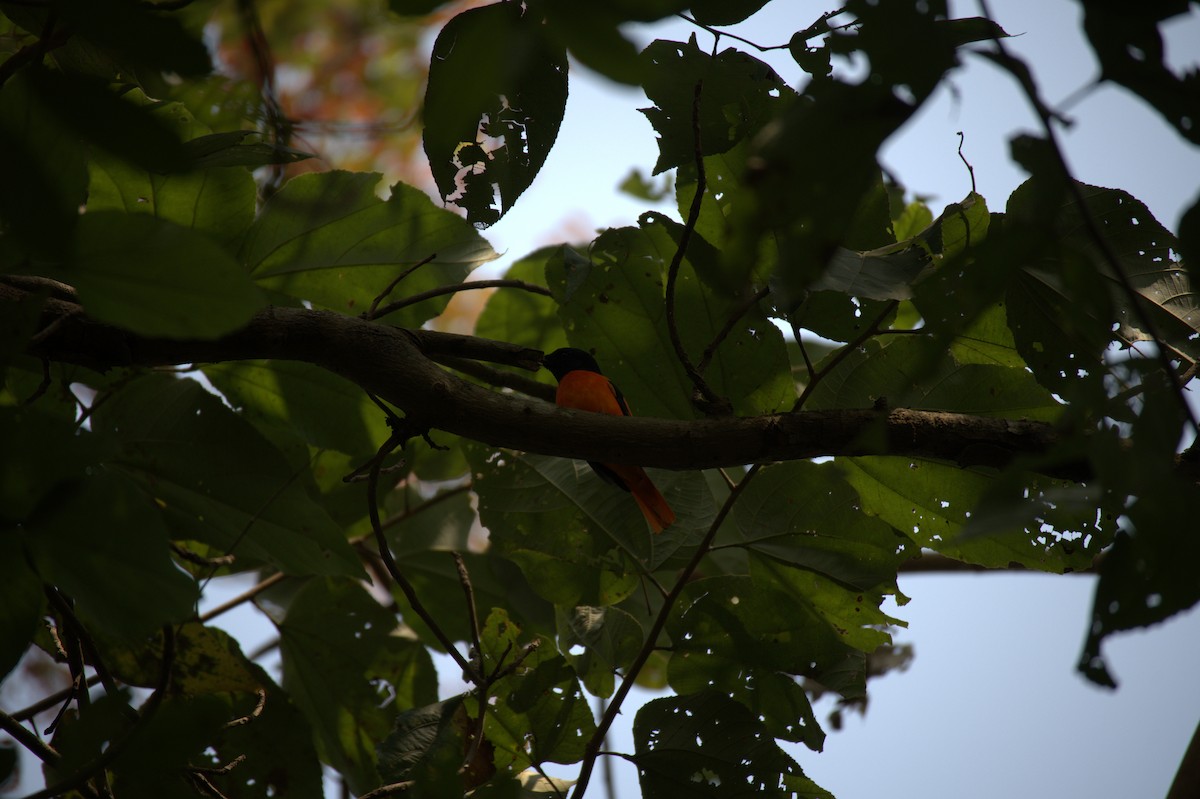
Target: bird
x=582, y=386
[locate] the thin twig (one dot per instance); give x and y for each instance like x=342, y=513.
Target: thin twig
x=816, y=377
x=719, y=33
x=245, y=596
x=440, y=291
x=397, y=438
x=388, y=790
x=28, y=739
x=592, y=750
x=115, y=747
x=970, y=169
x=464, y=578
x=712, y=403
x=87, y=646
x=370, y=314
x=254, y=714
x=734, y=318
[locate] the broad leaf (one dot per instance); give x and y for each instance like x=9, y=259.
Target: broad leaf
x=157, y=278
x=104, y=544
x=218, y=480
x=897, y=373
x=625, y=324
x=328, y=411
x=496, y=95
x=539, y=714
x=350, y=674
x=738, y=93
x=933, y=503
x=706, y=744
x=597, y=642
x=327, y=238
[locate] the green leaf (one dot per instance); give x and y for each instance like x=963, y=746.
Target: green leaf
x=326, y=238
x=1128, y=44
x=350, y=674
x=22, y=598
x=541, y=715
x=614, y=305
x=230, y=148
x=806, y=515
x=723, y=626
x=706, y=744
x=933, y=503
x=43, y=455
x=206, y=660
x=897, y=372
x=598, y=641
x=592, y=34
x=138, y=35
x=522, y=317
x=157, y=278
x=808, y=226
x=44, y=157
x=1147, y=575
x=217, y=202
x=542, y=529
x=129, y=129
x=1066, y=304
x=218, y=480
x=884, y=274
x=967, y=30
x=724, y=12
x=494, y=75
x=739, y=94
x=104, y=543
x=278, y=743
x=426, y=746
x=328, y=411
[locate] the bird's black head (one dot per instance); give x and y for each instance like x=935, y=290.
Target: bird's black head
x=569, y=359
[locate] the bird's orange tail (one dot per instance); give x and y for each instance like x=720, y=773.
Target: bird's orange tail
x=654, y=507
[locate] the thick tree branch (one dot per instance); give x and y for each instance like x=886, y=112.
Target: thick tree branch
x=396, y=365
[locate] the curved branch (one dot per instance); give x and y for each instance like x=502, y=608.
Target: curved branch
x=392, y=364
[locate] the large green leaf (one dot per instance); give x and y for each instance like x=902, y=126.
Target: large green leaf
x=897, y=372
x=614, y=304
x=738, y=94
x=545, y=530
x=538, y=714
x=1148, y=574
x=933, y=503
x=597, y=642
x=328, y=411
x=806, y=515
x=350, y=674
x=43, y=157
x=156, y=277
x=522, y=317
x=217, y=201
x=496, y=95
x=327, y=238
x=1066, y=304
x=218, y=480
x=104, y=543
x=22, y=598
x=706, y=744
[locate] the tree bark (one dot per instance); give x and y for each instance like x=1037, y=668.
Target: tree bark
x=398, y=366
